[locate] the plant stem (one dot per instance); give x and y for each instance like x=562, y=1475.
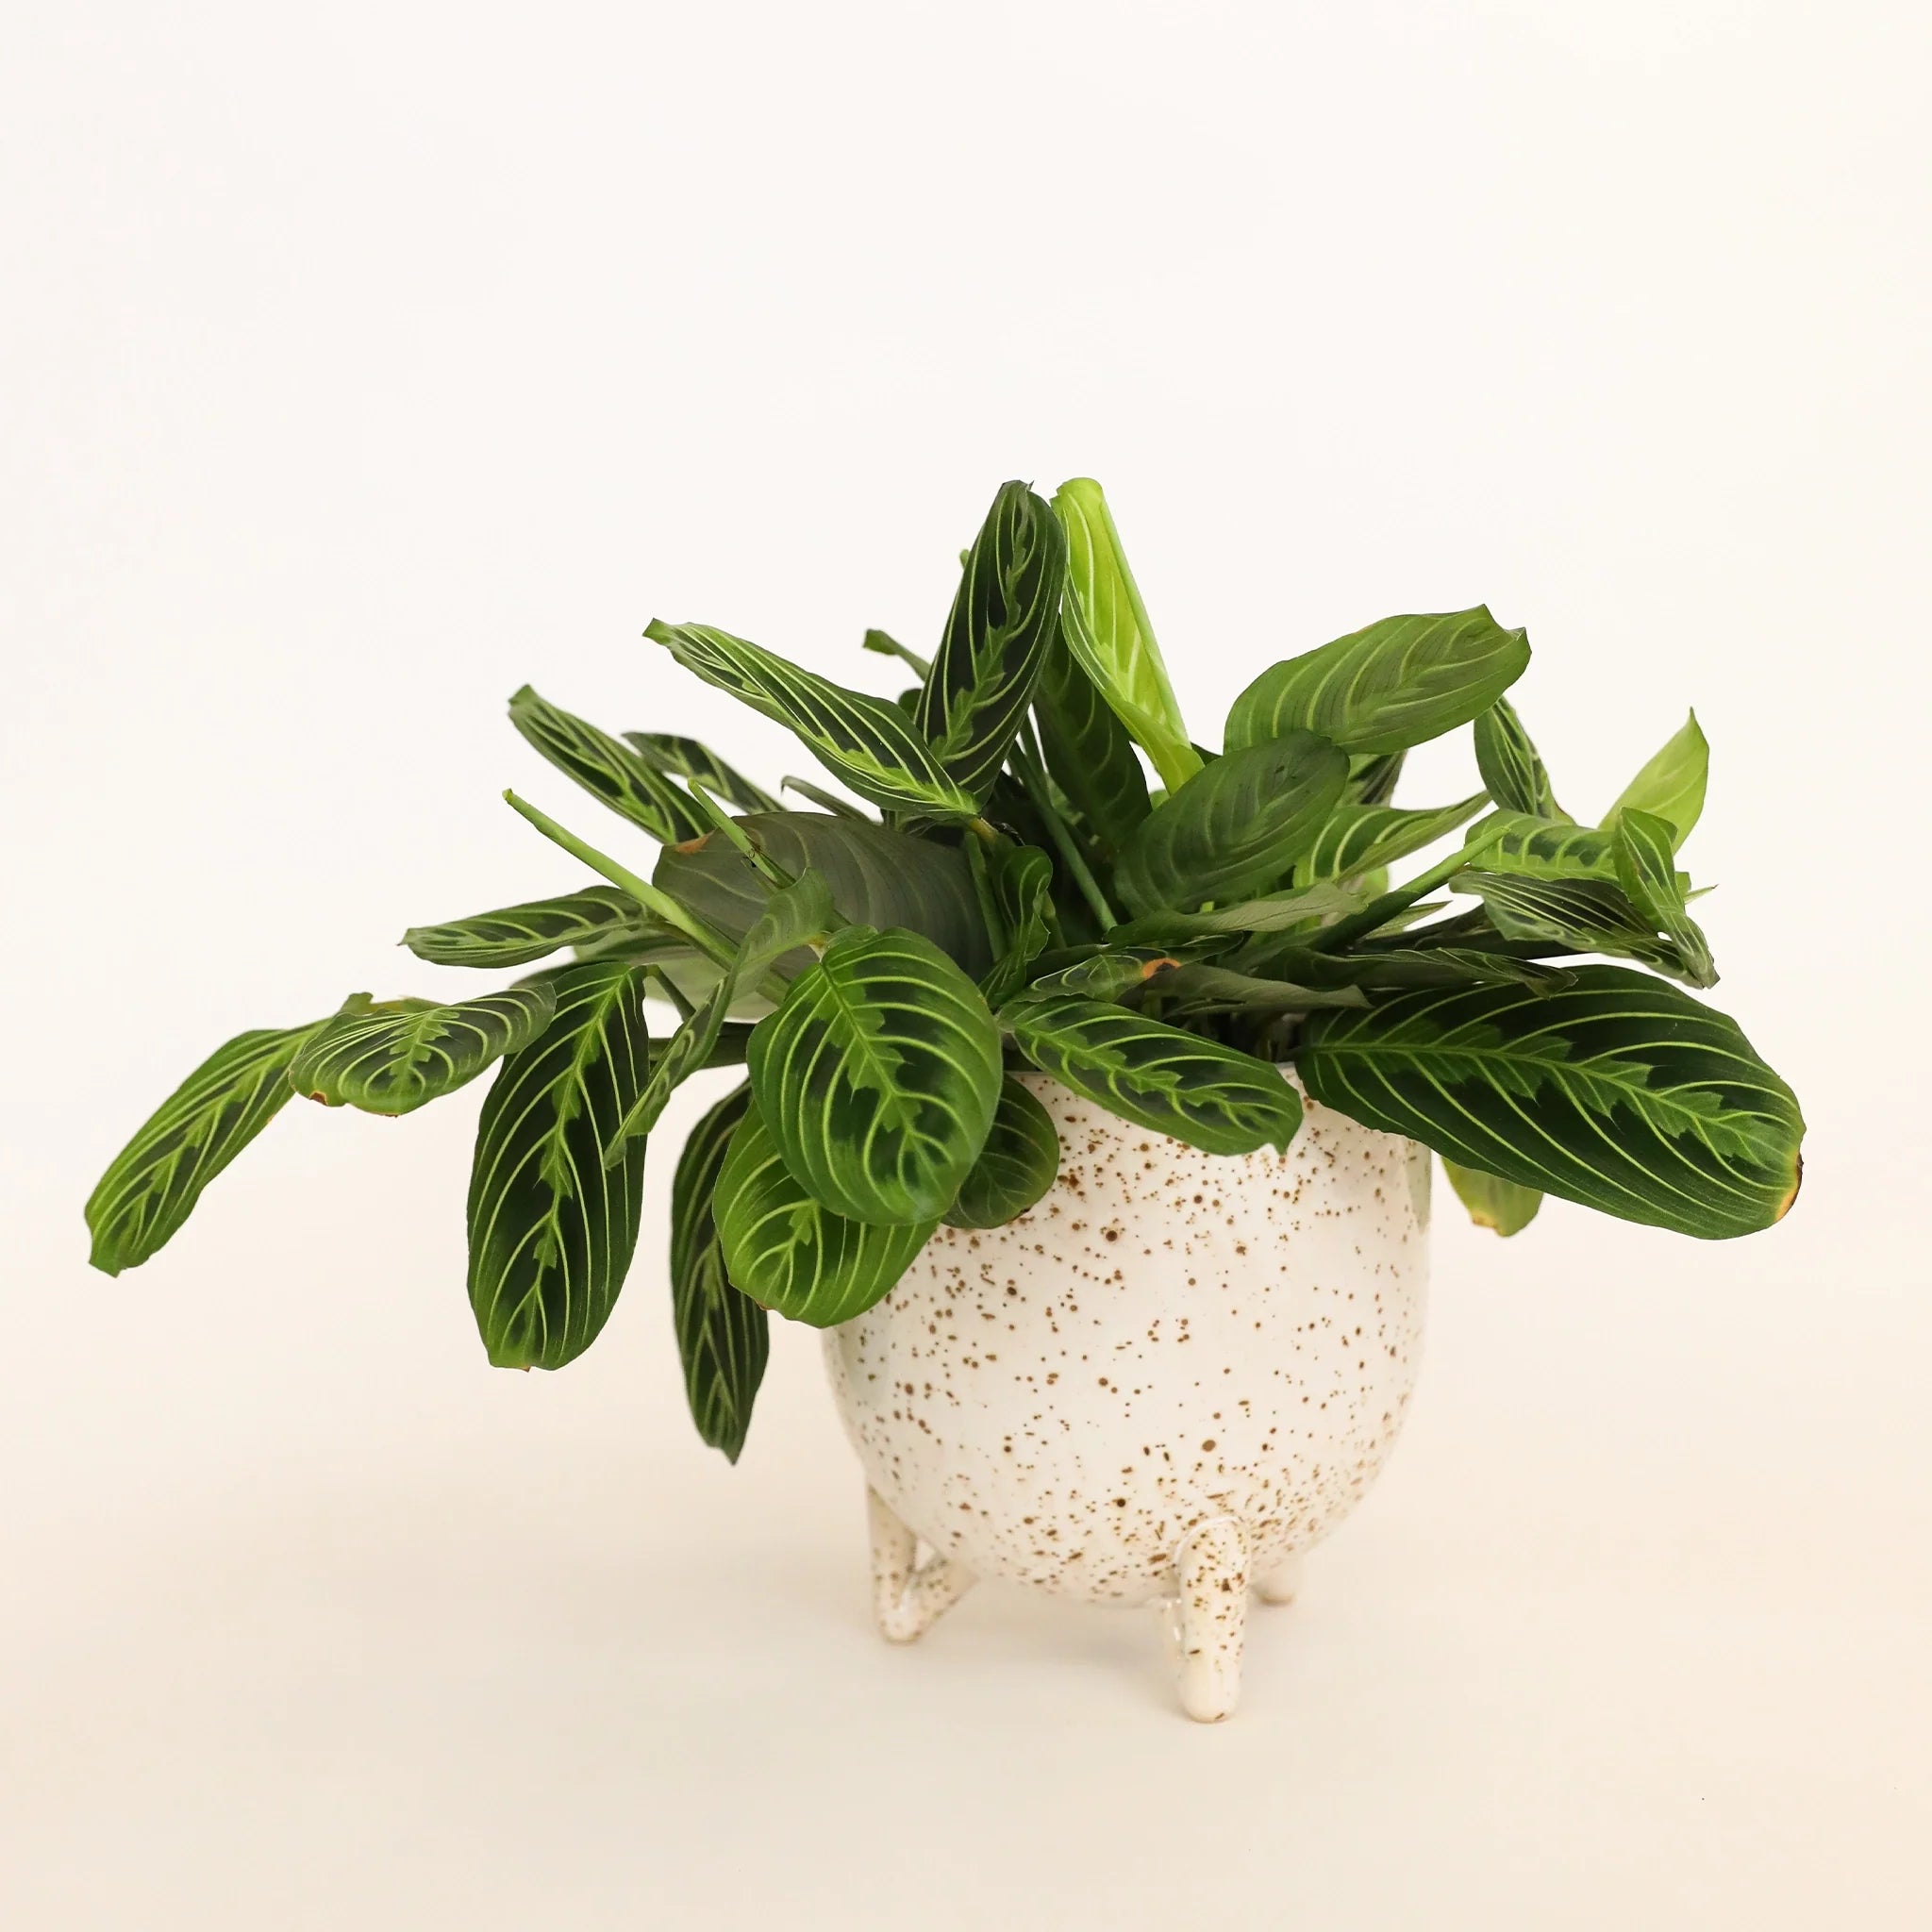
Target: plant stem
x=1031, y=776
x=979, y=835
x=647, y=895
x=1329, y=939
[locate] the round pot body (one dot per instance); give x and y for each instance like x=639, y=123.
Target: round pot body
x=1170, y=1340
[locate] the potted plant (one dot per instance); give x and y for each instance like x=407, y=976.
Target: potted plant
x=1084, y=1105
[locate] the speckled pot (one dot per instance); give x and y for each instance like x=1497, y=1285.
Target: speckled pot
x=1164, y=1384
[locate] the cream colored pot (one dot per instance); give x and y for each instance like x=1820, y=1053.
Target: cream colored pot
x=1164, y=1384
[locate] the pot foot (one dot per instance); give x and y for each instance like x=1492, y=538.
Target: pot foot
x=907, y=1596
x=1211, y=1618
x=1278, y=1583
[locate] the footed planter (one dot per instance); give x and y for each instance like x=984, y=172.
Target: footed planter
x=1164, y=1384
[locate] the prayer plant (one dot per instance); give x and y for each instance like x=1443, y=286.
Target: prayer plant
x=1016, y=896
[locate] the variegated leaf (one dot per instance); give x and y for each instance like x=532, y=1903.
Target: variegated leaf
x=1089, y=753
x=1395, y=684
x=1580, y=915
x=1004, y=619
x=1512, y=771
x=1505, y=1207
x=864, y=741
x=518, y=935
x=1646, y=869
x=1357, y=839
x=552, y=1227
x=1020, y=879
x=607, y=768
x=685, y=758
x=791, y=1254
x=1617, y=1091
x=1672, y=784
x=390, y=1056
x=1019, y=1161
x=721, y=1339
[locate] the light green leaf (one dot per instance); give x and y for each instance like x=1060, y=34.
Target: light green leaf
x=877, y=877
x=1005, y=618
x=1672, y=784
x=865, y=742
x=607, y=768
x=1019, y=1161
x=1357, y=839
x=1107, y=631
x=1238, y=827
x=551, y=1228
x=1512, y=771
x=685, y=758
x=517, y=934
x=1396, y=684
x=1580, y=915
x=1513, y=842
x=792, y=915
x=392, y=1056
x=722, y=1339
x=1617, y=1091
x=1507, y=1207
x=791, y=1254
x=1089, y=754
x=1646, y=870
x=1156, y=1076
x=154, y=1182
x=878, y=1077
x=1022, y=881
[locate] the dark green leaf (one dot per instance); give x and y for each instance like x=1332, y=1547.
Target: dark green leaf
x=1515, y=775
x=1157, y=1075
x=609, y=768
x=1089, y=753
x=878, y=1077
x=1359, y=837
x=1504, y=1206
x=877, y=877
x=792, y=1255
x=1672, y=784
x=1236, y=828
x=1022, y=881
x=393, y=1056
x=1617, y=1091
x=721, y=1331
x=1372, y=780
x=551, y=1228
x=154, y=1182
x=1004, y=617
x=685, y=758
x=864, y=741
x=1019, y=1163
x=1647, y=871
x=1107, y=631
x=517, y=934
x=1398, y=683
x=1580, y=915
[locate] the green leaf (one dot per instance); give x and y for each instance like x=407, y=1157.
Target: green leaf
x=1672, y=784
x=517, y=934
x=1512, y=771
x=1372, y=780
x=1192, y=988
x=826, y=801
x=394, y=1056
x=1580, y=915
x=1004, y=619
x=1359, y=837
x=1156, y=1076
x=1515, y=842
x=154, y=1182
x=1647, y=871
x=877, y=877
x=685, y=758
x=1238, y=827
x=1022, y=880
x=1108, y=975
x=607, y=768
x=1089, y=754
x=884, y=644
x=1507, y=1207
x=1617, y=1091
x=793, y=1255
x=1107, y=631
x=878, y=1077
x=792, y=915
x=1396, y=684
x=1020, y=1163
x=864, y=741
x=1309, y=906
x=1401, y=968
x=551, y=1228
x=722, y=1339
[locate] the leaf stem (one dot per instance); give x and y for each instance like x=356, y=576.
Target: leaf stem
x=888, y=646
x=647, y=895
x=1329, y=939
x=1035, y=781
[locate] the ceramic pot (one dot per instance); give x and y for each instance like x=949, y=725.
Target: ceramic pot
x=1164, y=1384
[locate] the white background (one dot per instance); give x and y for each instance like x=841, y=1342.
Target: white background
x=361, y=363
